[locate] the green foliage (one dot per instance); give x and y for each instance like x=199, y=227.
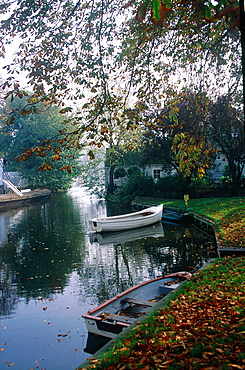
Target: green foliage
x=134, y=171
x=200, y=10
x=227, y=132
x=174, y=187
x=169, y=186
x=201, y=187
x=28, y=132
x=120, y=172
x=137, y=184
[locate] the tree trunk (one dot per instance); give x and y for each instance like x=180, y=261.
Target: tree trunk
x=111, y=179
x=242, y=30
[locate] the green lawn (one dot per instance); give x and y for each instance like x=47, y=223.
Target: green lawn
x=228, y=215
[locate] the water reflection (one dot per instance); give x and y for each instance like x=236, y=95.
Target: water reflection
x=53, y=270
x=153, y=231
x=41, y=247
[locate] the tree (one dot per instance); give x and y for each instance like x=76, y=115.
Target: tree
x=137, y=184
x=120, y=173
x=28, y=132
x=92, y=175
x=81, y=51
x=202, y=11
x=226, y=131
x=183, y=147
x=117, y=131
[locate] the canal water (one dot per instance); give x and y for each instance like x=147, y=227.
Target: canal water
x=53, y=269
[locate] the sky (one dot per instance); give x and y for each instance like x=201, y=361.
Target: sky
x=10, y=50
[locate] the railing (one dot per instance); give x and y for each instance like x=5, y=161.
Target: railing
x=12, y=187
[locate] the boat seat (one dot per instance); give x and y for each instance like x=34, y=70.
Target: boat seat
x=165, y=289
x=139, y=302
x=120, y=318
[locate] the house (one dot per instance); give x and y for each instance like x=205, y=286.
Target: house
x=15, y=178
x=157, y=171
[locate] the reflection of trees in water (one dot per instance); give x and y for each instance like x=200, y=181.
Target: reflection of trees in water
x=8, y=293
x=182, y=247
x=44, y=248
x=49, y=243
x=111, y=268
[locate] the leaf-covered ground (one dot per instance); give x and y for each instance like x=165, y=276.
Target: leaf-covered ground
x=202, y=327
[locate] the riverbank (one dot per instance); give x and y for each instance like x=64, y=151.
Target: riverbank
x=202, y=327
x=226, y=214
x=12, y=200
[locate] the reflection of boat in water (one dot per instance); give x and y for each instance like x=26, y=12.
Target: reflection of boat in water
x=127, y=221
x=95, y=342
x=111, y=317
x=154, y=231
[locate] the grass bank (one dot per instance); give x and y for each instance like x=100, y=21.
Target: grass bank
x=201, y=327
x=227, y=214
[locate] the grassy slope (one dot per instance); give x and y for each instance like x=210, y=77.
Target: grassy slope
x=203, y=326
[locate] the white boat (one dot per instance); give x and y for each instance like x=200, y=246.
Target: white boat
x=113, y=316
x=145, y=217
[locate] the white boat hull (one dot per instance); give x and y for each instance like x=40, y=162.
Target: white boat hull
x=128, y=221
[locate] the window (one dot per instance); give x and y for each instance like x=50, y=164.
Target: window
x=156, y=174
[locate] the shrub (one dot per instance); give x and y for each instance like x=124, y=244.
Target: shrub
x=134, y=170
x=120, y=172
x=168, y=187
x=137, y=184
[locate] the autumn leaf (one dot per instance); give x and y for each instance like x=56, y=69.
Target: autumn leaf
x=158, y=11
x=141, y=13
x=91, y=154
x=46, y=166
x=55, y=157
x=10, y=121
x=65, y=110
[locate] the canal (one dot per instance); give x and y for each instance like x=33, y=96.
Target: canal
x=52, y=270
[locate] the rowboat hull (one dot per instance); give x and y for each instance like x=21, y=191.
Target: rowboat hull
x=175, y=215
x=112, y=317
x=128, y=221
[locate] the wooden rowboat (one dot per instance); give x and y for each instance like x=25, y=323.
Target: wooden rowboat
x=171, y=214
x=118, y=313
x=145, y=217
